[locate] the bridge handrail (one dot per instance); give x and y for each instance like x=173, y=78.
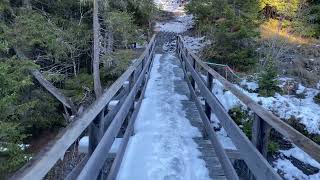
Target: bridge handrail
x=225, y=161
x=99, y=156
x=227, y=68
x=258, y=165
x=294, y=136
x=44, y=161
x=264, y=120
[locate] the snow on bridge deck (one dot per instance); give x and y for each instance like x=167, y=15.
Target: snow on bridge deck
x=163, y=145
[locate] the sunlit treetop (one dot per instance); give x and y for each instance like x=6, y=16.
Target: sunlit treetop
x=286, y=8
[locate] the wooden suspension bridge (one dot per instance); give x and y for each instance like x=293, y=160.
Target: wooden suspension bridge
x=116, y=110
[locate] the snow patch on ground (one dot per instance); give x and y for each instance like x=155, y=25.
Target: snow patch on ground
x=287, y=106
x=83, y=146
x=284, y=106
x=300, y=155
x=226, y=98
x=291, y=172
x=195, y=44
x=253, y=86
x=162, y=147
x=3, y=149
x=179, y=24
x=169, y=5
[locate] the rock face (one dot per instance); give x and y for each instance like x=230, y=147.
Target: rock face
x=305, y=168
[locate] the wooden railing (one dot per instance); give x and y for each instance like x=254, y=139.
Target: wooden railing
x=103, y=126
x=225, y=70
x=253, y=153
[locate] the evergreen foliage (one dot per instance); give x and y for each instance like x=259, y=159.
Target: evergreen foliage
x=142, y=11
x=232, y=27
x=307, y=20
x=273, y=147
x=122, y=60
x=303, y=15
x=285, y=8
x=25, y=110
x=242, y=119
x=268, y=83
x=125, y=31
x=56, y=38
x=79, y=87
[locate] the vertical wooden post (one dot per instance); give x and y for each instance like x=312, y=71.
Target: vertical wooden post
x=93, y=135
x=209, y=85
x=101, y=123
x=194, y=67
x=207, y=108
x=259, y=138
x=260, y=135
x=132, y=81
x=142, y=64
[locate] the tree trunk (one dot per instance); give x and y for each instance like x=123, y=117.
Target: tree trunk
x=96, y=50
x=110, y=41
x=74, y=67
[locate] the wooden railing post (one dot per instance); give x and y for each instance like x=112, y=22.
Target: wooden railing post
x=101, y=123
x=209, y=85
x=93, y=135
x=142, y=63
x=194, y=67
x=260, y=135
x=132, y=81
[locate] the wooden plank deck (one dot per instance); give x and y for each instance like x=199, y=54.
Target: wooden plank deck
x=208, y=154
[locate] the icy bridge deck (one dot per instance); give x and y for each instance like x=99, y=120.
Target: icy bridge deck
x=164, y=144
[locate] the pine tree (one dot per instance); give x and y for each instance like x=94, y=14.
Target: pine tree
x=302, y=15
x=232, y=26
x=268, y=83
x=306, y=21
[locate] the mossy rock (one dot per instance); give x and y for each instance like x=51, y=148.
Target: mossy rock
x=300, y=96
x=317, y=98
x=295, y=123
x=302, y=129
